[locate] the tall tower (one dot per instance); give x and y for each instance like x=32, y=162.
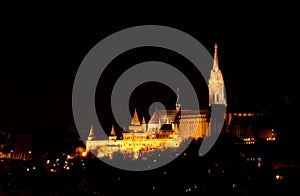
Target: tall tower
x=216, y=83
x=178, y=105
x=217, y=99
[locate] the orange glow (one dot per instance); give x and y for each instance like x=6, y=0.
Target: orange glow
x=84, y=154
x=258, y=164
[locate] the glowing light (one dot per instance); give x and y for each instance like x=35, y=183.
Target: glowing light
x=48, y=161
x=84, y=154
x=279, y=177
x=258, y=164
x=67, y=168
x=233, y=185
x=33, y=168
x=29, y=151
x=28, y=169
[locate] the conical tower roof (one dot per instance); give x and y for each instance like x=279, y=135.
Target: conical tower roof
x=91, y=134
x=112, y=132
x=135, y=119
x=143, y=121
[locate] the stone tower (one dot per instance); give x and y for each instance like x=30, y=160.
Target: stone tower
x=216, y=83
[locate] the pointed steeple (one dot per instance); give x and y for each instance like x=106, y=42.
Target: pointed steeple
x=143, y=121
x=216, y=83
x=112, y=136
x=178, y=105
x=216, y=63
x=112, y=132
x=135, y=119
x=91, y=134
x=144, y=125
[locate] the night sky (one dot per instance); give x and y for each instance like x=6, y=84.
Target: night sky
x=42, y=48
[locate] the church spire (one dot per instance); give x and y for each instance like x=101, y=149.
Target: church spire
x=112, y=136
x=135, y=118
x=91, y=134
x=144, y=121
x=216, y=83
x=112, y=132
x=178, y=105
x=216, y=63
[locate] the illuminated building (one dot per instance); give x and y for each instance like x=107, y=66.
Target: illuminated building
x=168, y=128
x=165, y=129
x=16, y=146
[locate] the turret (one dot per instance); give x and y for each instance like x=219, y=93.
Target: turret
x=135, y=119
x=112, y=136
x=144, y=125
x=91, y=134
x=178, y=105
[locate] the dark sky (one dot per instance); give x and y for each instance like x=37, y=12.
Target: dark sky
x=41, y=49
